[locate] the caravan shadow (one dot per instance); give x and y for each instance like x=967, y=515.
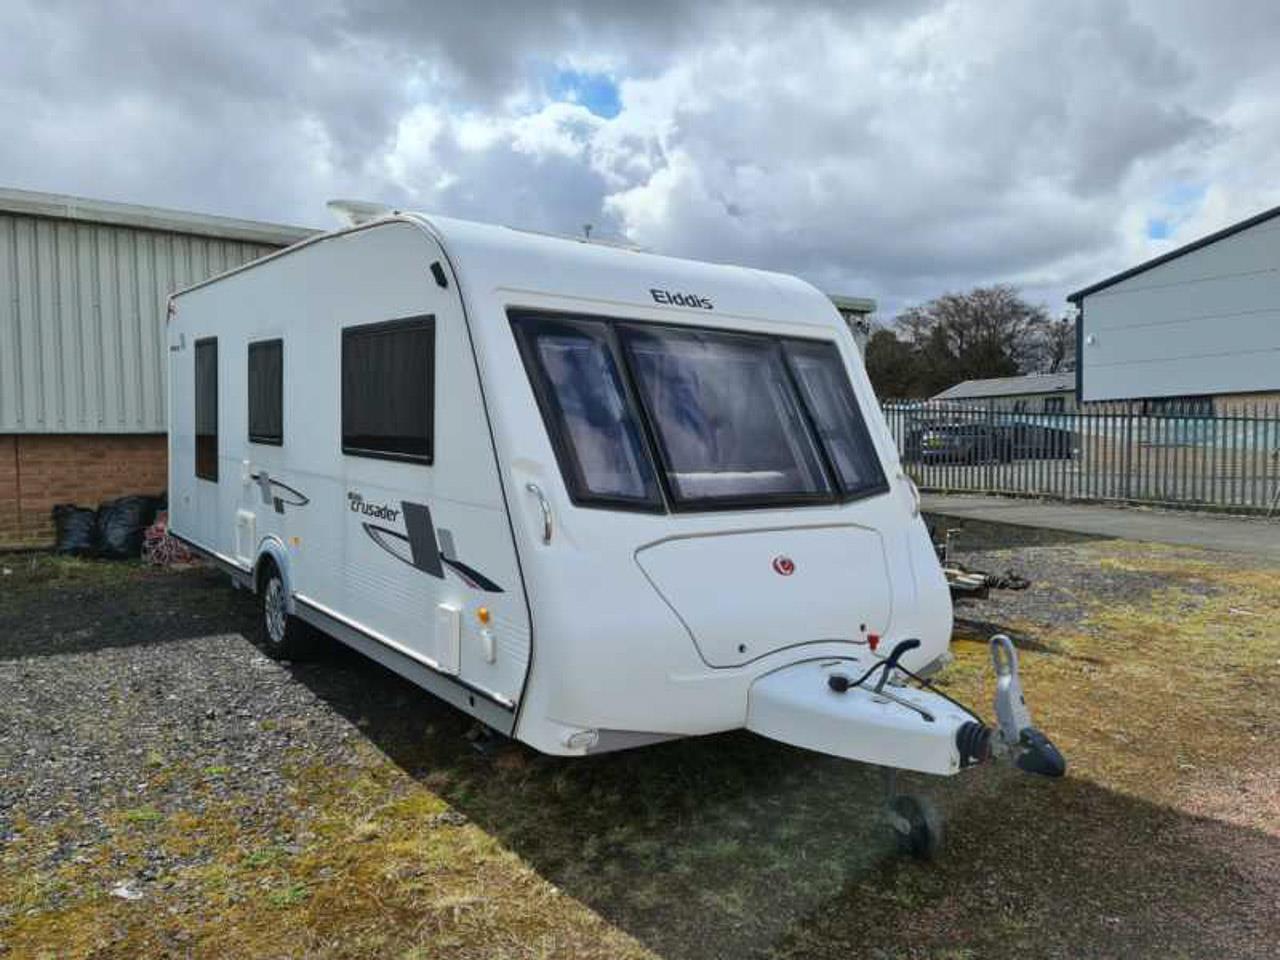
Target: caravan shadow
x=735, y=846
x=59, y=605
x=972, y=536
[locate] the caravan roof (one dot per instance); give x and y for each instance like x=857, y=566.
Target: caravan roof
x=490, y=258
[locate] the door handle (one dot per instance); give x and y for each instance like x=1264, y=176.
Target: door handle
x=546, y=510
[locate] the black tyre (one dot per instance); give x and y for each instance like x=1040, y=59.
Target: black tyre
x=283, y=636
x=923, y=838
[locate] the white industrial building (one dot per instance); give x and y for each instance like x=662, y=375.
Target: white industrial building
x=83, y=291
x=1196, y=330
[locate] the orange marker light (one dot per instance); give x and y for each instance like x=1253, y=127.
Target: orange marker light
x=482, y=614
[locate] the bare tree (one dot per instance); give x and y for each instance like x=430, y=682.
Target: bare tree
x=987, y=332
x=1058, y=346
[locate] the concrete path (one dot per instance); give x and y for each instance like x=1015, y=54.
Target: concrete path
x=1259, y=537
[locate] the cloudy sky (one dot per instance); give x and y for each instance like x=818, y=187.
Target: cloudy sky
x=893, y=149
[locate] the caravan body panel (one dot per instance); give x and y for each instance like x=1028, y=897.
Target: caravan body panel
x=403, y=550
x=613, y=626
x=744, y=595
x=612, y=650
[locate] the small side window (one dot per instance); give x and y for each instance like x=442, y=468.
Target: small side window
x=388, y=390
x=266, y=392
x=206, y=408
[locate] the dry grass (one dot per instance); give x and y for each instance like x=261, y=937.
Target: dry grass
x=1164, y=840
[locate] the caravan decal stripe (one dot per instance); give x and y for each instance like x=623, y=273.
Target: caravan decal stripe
x=420, y=548
x=267, y=484
x=471, y=576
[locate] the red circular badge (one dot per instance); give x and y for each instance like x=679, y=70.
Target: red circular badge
x=784, y=566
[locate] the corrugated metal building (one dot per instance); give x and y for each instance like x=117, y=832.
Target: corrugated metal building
x=83, y=290
x=1028, y=393
x=1195, y=330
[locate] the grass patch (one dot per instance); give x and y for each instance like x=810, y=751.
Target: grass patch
x=288, y=896
x=141, y=815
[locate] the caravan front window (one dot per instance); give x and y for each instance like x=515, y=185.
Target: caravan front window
x=643, y=415
x=726, y=416
x=824, y=382
x=584, y=401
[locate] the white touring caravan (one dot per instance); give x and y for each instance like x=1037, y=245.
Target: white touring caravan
x=594, y=497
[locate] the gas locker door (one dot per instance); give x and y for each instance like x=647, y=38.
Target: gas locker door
x=429, y=562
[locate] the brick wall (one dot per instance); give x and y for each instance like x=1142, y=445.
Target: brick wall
x=40, y=470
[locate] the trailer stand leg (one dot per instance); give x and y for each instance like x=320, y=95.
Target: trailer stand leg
x=914, y=819
x=485, y=740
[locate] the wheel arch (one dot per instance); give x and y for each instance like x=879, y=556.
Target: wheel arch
x=272, y=551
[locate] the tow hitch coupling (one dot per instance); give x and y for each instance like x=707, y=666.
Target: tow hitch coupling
x=1016, y=739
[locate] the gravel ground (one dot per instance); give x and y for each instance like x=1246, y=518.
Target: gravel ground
x=1066, y=581
x=109, y=715
x=91, y=731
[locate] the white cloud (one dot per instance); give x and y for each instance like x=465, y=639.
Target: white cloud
x=888, y=149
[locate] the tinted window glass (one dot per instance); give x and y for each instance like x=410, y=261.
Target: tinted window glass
x=266, y=391
x=388, y=389
x=585, y=405
x=206, y=409
x=725, y=414
x=824, y=382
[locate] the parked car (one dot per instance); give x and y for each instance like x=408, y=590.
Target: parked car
x=959, y=443
x=1028, y=441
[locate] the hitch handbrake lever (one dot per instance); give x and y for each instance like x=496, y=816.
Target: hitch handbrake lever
x=890, y=663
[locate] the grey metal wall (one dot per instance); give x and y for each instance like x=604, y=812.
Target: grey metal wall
x=82, y=312
x=1207, y=322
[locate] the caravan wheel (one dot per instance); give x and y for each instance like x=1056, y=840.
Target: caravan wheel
x=283, y=636
x=919, y=826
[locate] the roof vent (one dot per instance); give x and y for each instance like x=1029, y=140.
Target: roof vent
x=352, y=213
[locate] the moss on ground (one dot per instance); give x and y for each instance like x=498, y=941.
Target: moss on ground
x=375, y=867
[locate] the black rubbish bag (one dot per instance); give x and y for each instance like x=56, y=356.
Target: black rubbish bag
x=122, y=524
x=77, y=530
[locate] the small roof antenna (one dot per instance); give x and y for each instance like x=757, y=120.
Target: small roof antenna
x=352, y=213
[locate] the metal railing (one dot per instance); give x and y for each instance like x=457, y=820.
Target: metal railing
x=1229, y=461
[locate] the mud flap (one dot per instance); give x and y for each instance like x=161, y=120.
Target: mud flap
x=900, y=727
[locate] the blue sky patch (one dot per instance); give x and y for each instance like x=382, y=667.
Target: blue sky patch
x=1184, y=194
x=598, y=92
x=1178, y=202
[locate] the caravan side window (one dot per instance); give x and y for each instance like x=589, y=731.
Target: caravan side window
x=266, y=392
x=206, y=408
x=388, y=390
